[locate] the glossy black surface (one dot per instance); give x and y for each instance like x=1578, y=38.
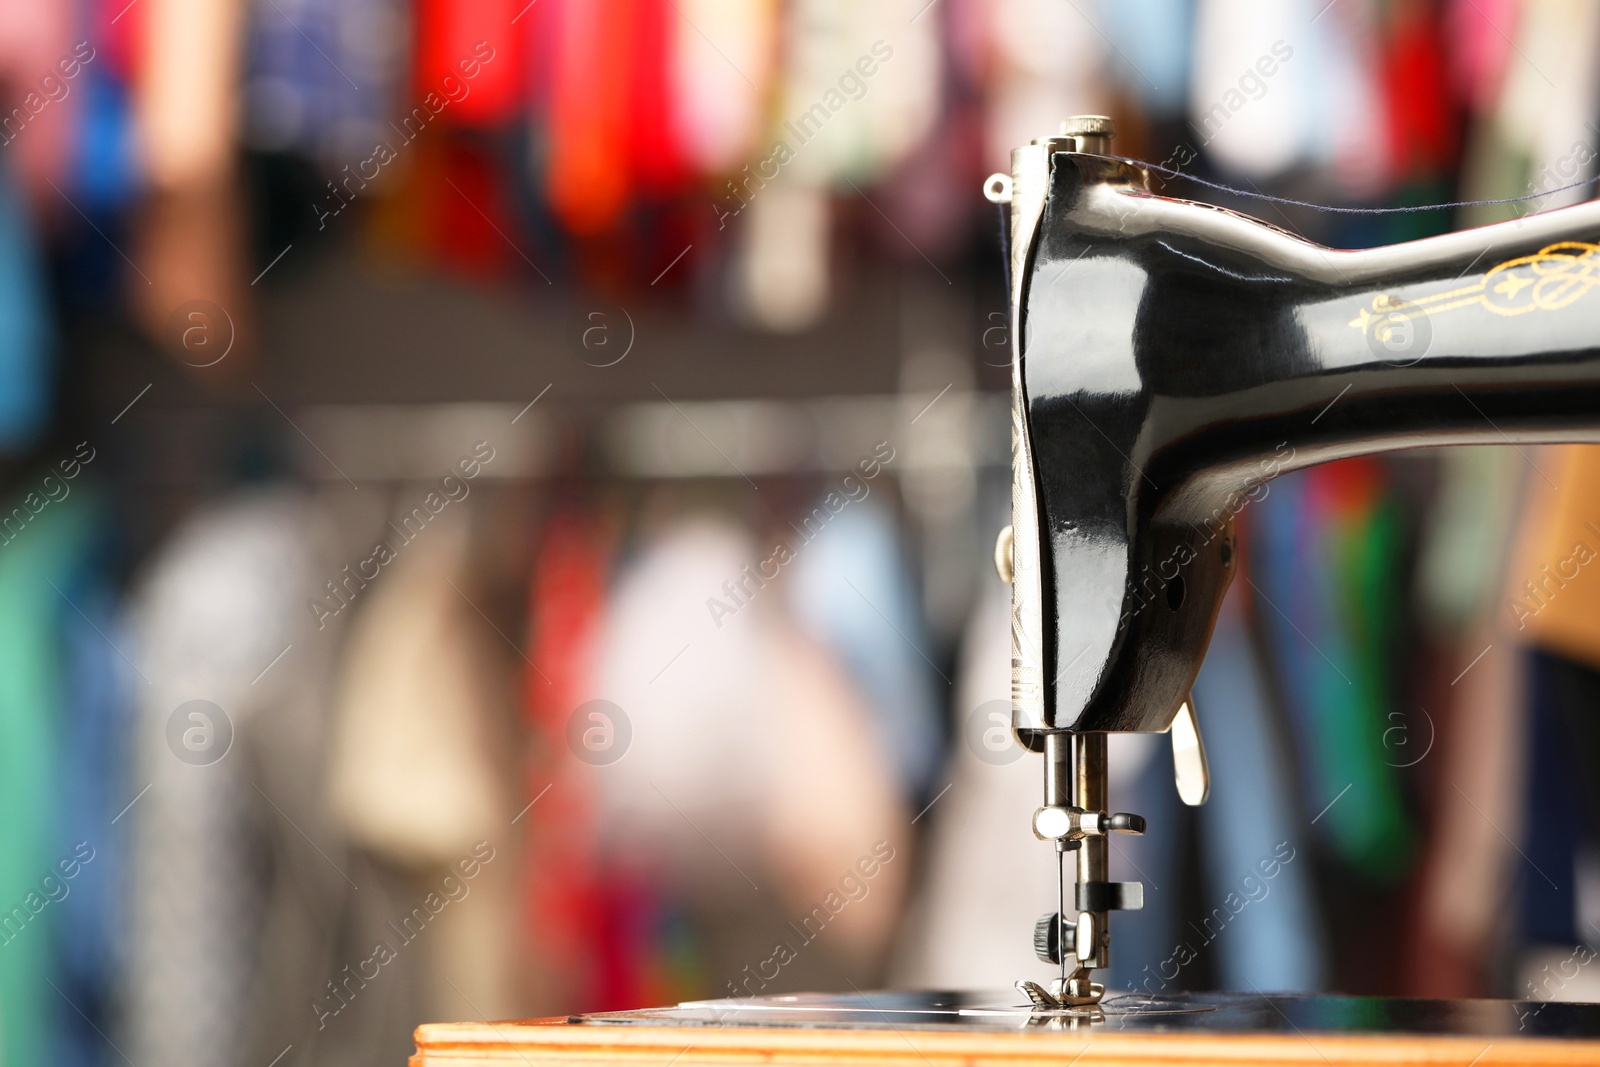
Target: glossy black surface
x=1176, y=356
x=1246, y=1013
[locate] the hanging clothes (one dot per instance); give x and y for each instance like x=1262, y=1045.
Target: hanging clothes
x=1153, y=44
x=243, y=893
x=471, y=52
x=189, y=242
x=27, y=338
x=858, y=90
x=96, y=736
x=752, y=783
x=324, y=77
x=1256, y=854
x=1528, y=137
x=1049, y=63
x=1472, y=735
x=563, y=916
x=1327, y=553
x=1555, y=579
x=722, y=62
x=1267, y=97
x=38, y=867
x=38, y=44
x=1549, y=609
x=421, y=762
x=656, y=149
x=1560, y=807
x=1481, y=33
x=588, y=181
x=852, y=591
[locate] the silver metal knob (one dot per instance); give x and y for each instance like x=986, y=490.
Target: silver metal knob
x=1004, y=546
x=1189, y=756
x=1092, y=133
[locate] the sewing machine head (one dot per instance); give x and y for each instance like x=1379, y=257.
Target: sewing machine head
x=1170, y=357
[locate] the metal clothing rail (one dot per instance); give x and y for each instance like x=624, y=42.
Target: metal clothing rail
x=747, y=438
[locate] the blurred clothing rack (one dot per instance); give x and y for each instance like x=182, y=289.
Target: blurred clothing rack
x=955, y=431
x=661, y=439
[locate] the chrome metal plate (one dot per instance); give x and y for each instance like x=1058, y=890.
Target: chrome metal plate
x=1209, y=1012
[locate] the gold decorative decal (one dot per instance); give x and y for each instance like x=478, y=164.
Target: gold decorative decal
x=1547, y=280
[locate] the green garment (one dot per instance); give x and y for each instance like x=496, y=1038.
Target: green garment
x=42, y=552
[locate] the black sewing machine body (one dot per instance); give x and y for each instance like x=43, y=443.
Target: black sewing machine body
x=1171, y=357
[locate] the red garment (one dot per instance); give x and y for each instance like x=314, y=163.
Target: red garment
x=1481, y=32
x=588, y=182
x=658, y=161
x=470, y=52
x=566, y=906
x=116, y=30
x=472, y=225
x=1420, y=118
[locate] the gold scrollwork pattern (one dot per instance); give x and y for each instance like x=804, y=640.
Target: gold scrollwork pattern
x=1550, y=279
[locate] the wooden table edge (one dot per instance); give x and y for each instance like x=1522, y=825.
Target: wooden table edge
x=536, y=1041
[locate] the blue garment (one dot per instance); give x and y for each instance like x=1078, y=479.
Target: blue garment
x=1154, y=46
x=322, y=77
x=95, y=739
x=1555, y=818
x=105, y=174
x=1145, y=942
x=26, y=333
x=852, y=590
x=1326, y=564
x=1273, y=943
x=1254, y=929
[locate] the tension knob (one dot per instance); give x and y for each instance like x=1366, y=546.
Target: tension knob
x=1047, y=936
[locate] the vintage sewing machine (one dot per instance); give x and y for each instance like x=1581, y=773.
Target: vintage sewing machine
x=1169, y=356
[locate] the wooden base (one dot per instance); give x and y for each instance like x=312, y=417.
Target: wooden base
x=556, y=1041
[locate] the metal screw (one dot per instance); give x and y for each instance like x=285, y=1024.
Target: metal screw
x=1092, y=133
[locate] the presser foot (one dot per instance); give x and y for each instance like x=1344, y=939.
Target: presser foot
x=1063, y=994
